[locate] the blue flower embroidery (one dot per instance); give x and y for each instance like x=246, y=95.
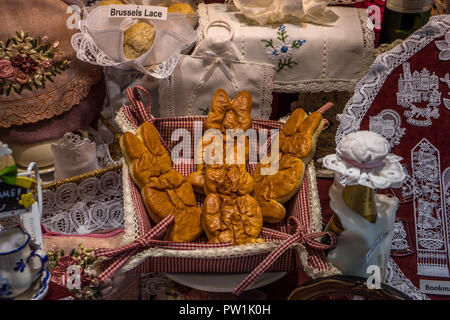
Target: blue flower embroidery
x=20, y=266
x=5, y=287
x=280, y=50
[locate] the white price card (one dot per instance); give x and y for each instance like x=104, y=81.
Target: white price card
x=137, y=12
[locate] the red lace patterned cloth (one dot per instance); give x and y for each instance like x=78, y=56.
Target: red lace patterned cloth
x=406, y=98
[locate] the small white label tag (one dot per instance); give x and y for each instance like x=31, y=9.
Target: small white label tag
x=138, y=12
x=441, y=288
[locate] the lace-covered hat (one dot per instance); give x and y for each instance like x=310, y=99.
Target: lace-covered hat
x=364, y=158
x=40, y=76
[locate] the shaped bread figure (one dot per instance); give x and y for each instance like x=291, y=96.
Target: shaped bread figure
x=230, y=213
x=297, y=144
x=225, y=114
x=164, y=191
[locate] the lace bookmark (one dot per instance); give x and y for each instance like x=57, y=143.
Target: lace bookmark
x=431, y=238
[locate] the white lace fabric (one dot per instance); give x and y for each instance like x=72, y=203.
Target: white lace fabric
x=95, y=204
x=100, y=42
x=369, y=86
x=321, y=63
x=397, y=279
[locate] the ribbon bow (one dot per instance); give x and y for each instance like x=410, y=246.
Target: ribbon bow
x=125, y=253
x=142, y=112
x=300, y=236
x=219, y=62
x=9, y=175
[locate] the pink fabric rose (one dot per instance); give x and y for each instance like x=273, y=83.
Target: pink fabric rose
x=7, y=71
x=58, y=276
x=66, y=261
x=22, y=78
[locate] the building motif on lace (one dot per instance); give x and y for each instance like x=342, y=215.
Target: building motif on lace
x=428, y=208
x=415, y=88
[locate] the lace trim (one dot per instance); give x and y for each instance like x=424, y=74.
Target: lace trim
x=94, y=204
x=430, y=214
x=323, y=32
x=46, y=106
x=202, y=21
x=368, y=88
x=368, y=43
x=316, y=224
x=124, y=124
x=130, y=218
x=396, y=279
x=319, y=85
x=266, y=97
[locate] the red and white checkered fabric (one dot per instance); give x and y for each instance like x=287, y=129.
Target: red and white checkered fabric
x=283, y=258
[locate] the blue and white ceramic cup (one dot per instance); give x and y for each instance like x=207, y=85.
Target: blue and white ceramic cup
x=20, y=266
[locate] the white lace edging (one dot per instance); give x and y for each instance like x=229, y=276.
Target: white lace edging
x=368, y=87
x=130, y=218
x=124, y=124
x=319, y=85
x=397, y=280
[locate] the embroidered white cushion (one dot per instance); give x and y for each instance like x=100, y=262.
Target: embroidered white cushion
x=307, y=57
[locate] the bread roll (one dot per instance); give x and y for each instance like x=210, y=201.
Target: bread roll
x=182, y=8
x=138, y=39
x=110, y=2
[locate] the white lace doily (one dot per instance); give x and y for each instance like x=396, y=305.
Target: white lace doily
x=93, y=205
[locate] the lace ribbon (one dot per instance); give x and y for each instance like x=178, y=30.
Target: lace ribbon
x=300, y=236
